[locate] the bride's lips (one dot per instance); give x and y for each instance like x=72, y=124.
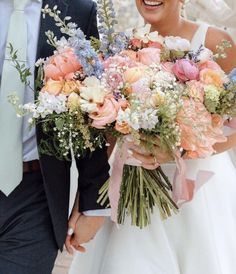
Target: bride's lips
x=152, y=4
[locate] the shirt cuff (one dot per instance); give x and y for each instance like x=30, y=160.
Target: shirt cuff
x=98, y=212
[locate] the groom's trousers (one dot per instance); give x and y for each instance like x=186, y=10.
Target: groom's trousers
x=27, y=243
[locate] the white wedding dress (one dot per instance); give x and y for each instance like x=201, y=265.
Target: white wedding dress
x=200, y=239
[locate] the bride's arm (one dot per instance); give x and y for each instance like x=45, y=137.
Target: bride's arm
x=214, y=38
x=230, y=143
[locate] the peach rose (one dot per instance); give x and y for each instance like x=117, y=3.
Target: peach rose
x=61, y=65
x=148, y=56
x=212, y=77
x=132, y=75
x=53, y=87
x=123, y=127
x=71, y=86
x=106, y=114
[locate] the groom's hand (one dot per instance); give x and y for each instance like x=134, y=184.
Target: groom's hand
x=85, y=230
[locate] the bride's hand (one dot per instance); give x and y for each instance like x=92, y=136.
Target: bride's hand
x=150, y=160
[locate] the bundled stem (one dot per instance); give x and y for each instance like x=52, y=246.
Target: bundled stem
x=141, y=191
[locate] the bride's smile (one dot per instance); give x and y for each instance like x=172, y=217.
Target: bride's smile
x=152, y=4
x=157, y=12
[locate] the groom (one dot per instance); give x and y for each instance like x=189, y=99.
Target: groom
x=34, y=208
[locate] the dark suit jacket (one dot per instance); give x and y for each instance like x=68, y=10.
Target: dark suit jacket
x=93, y=169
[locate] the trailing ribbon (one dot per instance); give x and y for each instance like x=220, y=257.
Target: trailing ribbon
x=119, y=157
x=183, y=188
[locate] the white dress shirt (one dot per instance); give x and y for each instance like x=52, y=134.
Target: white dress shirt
x=32, y=13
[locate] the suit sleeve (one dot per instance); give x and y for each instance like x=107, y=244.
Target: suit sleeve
x=93, y=173
x=92, y=30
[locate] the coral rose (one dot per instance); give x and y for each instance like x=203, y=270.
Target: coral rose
x=185, y=70
x=61, y=65
x=106, y=113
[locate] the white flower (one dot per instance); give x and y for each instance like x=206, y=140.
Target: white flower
x=62, y=43
x=47, y=104
x=146, y=36
x=92, y=93
x=39, y=62
x=155, y=37
x=141, y=33
x=177, y=43
x=205, y=55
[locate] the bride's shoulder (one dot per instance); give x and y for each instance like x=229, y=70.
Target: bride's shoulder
x=215, y=37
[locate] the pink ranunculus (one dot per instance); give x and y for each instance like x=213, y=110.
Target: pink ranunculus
x=199, y=131
x=195, y=90
x=148, y=56
x=61, y=65
x=107, y=112
x=114, y=79
x=185, y=70
x=209, y=65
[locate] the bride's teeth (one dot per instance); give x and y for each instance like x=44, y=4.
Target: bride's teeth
x=152, y=3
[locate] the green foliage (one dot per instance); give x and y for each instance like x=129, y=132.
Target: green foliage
x=23, y=71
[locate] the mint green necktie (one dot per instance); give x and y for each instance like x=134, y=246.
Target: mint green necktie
x=11, y=159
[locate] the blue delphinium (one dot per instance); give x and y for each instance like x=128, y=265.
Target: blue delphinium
x=86, y=55
x=111, y=42
x=232, y=76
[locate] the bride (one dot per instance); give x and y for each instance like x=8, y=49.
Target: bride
x=201, y=239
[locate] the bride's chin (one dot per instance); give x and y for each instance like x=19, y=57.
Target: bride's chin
x=152, y=20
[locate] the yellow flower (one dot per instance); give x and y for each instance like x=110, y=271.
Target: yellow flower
x=71, y=86
x=53, y=87
x=73, y=102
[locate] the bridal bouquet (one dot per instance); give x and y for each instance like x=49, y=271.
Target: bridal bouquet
x=166, y=92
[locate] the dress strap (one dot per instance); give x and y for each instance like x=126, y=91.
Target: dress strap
x=199, y=36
